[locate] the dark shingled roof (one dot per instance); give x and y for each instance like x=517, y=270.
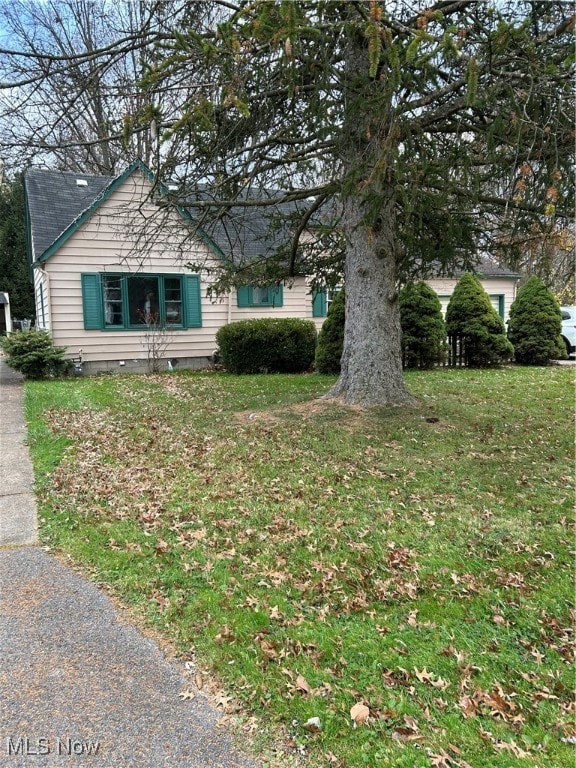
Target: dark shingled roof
x=55, y=200
x=484, y=268
x=244, y=233
x=488, y=268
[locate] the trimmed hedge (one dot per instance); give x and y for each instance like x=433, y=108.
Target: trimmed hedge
x=331, y=337
x=267, y=345
x=33, y=354
x=535, y=325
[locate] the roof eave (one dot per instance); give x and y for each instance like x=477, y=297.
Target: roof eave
x=497, y=275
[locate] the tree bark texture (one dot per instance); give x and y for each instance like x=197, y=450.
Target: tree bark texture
x=371, y=366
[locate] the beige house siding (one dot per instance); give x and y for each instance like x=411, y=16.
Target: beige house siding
x=42, y=299
x=118, y=238
x=495, y=287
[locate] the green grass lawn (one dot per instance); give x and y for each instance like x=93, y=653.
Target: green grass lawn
x=313, y=557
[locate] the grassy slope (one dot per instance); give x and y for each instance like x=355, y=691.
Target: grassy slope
x=314, y=557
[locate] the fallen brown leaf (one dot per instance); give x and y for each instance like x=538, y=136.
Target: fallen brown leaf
x=359, y=714
x=302, y=684
x=186, y=695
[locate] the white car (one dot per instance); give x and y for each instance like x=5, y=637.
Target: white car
x=569, y=328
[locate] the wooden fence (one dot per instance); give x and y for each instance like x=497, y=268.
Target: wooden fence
x=456, y=354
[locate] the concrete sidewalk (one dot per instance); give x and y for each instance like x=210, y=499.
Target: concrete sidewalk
x=17, y=503
x=79, y=685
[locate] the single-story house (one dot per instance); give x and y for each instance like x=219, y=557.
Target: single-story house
x=110, y=266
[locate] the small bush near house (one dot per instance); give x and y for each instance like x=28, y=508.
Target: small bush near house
x=472, y=319
x=285, y=345
x=423, y=327
x=33, y=353
x=331, y=337
x=535, y=325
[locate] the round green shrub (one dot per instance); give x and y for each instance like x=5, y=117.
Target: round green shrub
x=267, y=345
x=331, y=337
x=535, y=325
x=33, y=353
x=472, y=319
x=423, y=327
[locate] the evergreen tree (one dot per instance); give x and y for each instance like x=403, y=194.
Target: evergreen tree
x=423, y=327
x=480, y=330
x=535, y=324
x=436, y=132
x=14, y=269
x=33, y=353
x=331, y=337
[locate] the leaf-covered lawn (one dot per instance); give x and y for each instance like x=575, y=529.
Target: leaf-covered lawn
x=382, y=588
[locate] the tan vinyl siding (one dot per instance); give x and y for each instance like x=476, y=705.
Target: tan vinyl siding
x=127, y=235
x=297, y=302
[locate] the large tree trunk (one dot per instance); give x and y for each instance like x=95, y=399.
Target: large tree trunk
x=371, y=365
x=371, y=369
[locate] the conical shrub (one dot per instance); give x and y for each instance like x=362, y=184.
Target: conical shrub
x=474, y=323
x=535, y=325
x=423, y=327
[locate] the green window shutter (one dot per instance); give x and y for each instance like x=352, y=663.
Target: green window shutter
x=319, y=304
x=497, y=300
x=244, y=294
x=92, y=302
x=192, y=302
x=278, y=295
